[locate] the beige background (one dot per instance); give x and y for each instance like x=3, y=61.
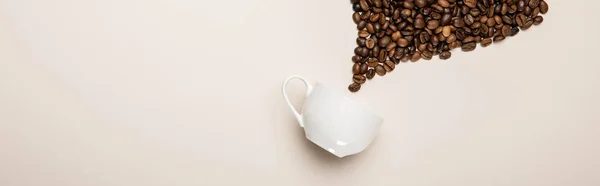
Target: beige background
x=187, y=92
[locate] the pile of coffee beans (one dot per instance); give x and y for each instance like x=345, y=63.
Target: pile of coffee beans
x=394, y=31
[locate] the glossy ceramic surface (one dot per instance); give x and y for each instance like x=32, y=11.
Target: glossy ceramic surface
x=335, y=122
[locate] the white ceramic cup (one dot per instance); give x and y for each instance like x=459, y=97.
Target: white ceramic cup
x=333, y=121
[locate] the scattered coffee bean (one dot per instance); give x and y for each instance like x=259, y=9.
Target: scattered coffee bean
x=486, y=42
x=360, y=79
x=467, y=47
x=354, y=87
x=380, y=70
x=394, y=31
x=445, y=55
x=538, y=20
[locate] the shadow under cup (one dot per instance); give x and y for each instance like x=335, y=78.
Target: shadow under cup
x=336, y=123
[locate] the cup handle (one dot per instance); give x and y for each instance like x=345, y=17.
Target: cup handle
x=308, y=90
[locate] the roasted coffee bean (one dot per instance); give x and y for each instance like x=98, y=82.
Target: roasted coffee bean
x=507, y=20
x=356, y=17
x=446, y=31
x=361, y=41
x=370, y=28
x=521, y=5
x=354, y=87
x=468, y=39
x=363, y=68
x=498, y=38
x=396, y=35
x=402, y=42
x=486, y=42
x=458, y=23
x=470, y=3
x=538, y=20
x=451, y=38
x=356, y=7
x=504, y=9
x=380, y=70
x=374, y=18
x=360, y=79
x=514, y=31
x=420, y=3
x=370, y=73
x=443, y=3
x=445, y=55
x=383, y=42
x=373, y=62
x=364, y=5
x=527, y=24
x=356, y=59
x=382, y=56
x=446, y=19
x=433, y=24
x=467, y=47
x=361, y=25
x=391, y=46
x=419, y=23
x=469, y=19
x=356, y=68
x=506, y=30
x=415, y=56
x=408, y=4
x=498, y=20
x=534, y=3
x=389, y=66
x=426, y=54
x=370, y=43
x=543, y=7
x=453, y=45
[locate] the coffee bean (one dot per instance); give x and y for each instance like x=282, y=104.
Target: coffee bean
x=498, y=20
x=405, y=58
x=382, y=56
x=389, y=66
x=370, y=28
x=443, y=3
x=468, y=39
x=363, y=52
x=514, y=31
x=446, y=19
x=451, y=38
x=469, y=19
x=476, y=25
x=507, y=20
x=486, y=42
x=370, y=73
x=370, y=43
x=375, y=51
x=538, y=20
x=506, y=30
x=391, y=47
x=363, y=68
x=408, y=4
x=356, y=58
x=433, y=24
x=373, y=62
x=520, y=19
x=356, y=17
x=498, y=38
x=521, y=5
x=467, y=47
x=356, y=68
x=470, y=3
x=543, y=7
x=445, y=55
x=354, y=87
x=402, y=42
x=491, y=22
x=527, y=24
x=426, y=54
x=453, y=45
x=380, y=70
x=415, y=56
x=504, y=9
x=396, y=35
x=364, y=5
x=534, y=3
x=374, y=18
x=361, y=25
x=446, y=31
x=356, y=7
x=420, y=3
x=419, y=23
x=360, y=79
x=383, y=42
